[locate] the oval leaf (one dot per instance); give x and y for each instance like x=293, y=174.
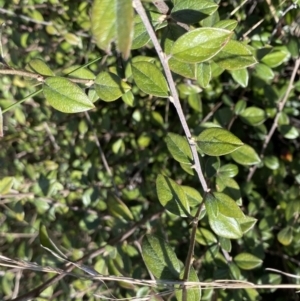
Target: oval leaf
x=253, y=116
x=200, y=44
x=246, y=155
x=150, y=79
x=160, y=258
x=235, y=55
x=179, y=148
x=247, y=261
x=222, y=219
x=65, y=96
x=40, y=67
x=109, y=86
x=285, y=236
x=241, y=76
x=6, y=184
x=172, y=196
x=217, y=142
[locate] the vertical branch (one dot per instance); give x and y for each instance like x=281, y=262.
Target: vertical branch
x=275, y=123
x=174, y=98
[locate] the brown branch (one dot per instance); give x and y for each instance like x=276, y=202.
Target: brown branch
x=275, y=123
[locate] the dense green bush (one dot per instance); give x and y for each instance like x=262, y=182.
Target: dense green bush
x=180, y=161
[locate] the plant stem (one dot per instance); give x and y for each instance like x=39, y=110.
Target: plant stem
x=275, y=123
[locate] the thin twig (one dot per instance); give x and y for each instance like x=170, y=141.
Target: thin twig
x=102, y=155
x=41, y=78
x=238, y=7
x=8, y=12
x=38, y=290
x=275, y=123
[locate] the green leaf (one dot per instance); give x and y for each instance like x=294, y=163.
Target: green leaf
x=234, y=56
x=203, y=74
x=217, y=142
x=103, y=22
x=223, y=213
x=193, y=196
x=228, y=186
x=225, y=244
x=65, y=96
x=200, y=44
x=171, y=34
x=211, y=165
x=247, y=261
x=271, y=162
x=226, y=24
x=150, y=79
x=124, y=26
x=79, y=72
x=47, y=243
x=193, y=293
x=205, y=237
x=117, y=208
x=285, y=236
x=6, y=185
x=276, y=57
x=109, y=86
x=288, y=131
x=240, y=106
x=179, y=148
x=253, y=116
x=228, y=170
x=264, y=72
x=172, y=196
x=247, y=223
x=141, y=36
x=192, y=11
x=160, y=258
x=40, y=67
x=241, y=76
x=246, y=155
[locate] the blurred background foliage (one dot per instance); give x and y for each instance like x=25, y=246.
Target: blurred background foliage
x=51, y=170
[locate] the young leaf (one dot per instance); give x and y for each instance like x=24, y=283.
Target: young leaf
x=234, y=55
x=172, y=196
x=190, y=12
x=241, y=76
x=200, y=44
x=205, y=237
x=117, y=208
x=65, y=96
x=247, y=261
x=179, y=148
x=226, y=24
x=217, y=142
x=40, y=67
x=150, y=79
x=109, y=86
x=160, y=258
x=245, y=155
